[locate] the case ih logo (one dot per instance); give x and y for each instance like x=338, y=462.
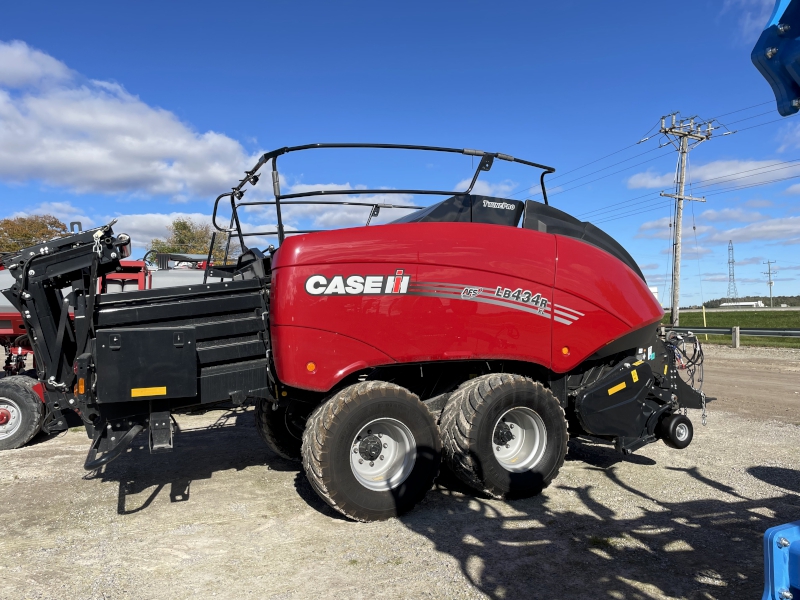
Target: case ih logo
x=339, y=285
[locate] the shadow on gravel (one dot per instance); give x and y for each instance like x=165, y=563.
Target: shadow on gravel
x=641, y=548
x=229, y=443
x=788, y=479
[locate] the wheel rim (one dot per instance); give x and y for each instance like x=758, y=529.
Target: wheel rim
x=10, y=416
x=383, y=454
x=681, y=432
x=519, y=439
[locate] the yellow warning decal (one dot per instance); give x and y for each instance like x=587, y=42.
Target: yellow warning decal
x=665, y=369
x=151, y=391
x=617, y=388
x=637, y=363
x=634, y=376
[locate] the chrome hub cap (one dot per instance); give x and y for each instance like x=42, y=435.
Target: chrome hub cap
x=681, y=432
x=383, y=454
x=519, y=439
x=10, y=418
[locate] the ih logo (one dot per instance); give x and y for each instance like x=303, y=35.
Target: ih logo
x=356, y=285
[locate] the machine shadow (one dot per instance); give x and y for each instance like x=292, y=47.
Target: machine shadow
x=641, y=548
x=232, y=442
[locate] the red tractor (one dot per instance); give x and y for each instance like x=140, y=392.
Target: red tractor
x=477, y=330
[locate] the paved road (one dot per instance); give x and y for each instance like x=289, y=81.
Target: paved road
x=220, y=517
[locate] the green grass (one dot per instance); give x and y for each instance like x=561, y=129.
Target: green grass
x=753, y=319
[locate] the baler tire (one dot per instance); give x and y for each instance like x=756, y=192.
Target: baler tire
x=16, y=392
x=273, y=429
x=468, y=426
x=330, y=439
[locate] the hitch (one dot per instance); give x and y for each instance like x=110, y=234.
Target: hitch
x=93, y=463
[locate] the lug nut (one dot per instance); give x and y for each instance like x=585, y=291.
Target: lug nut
x=371, y=464
x=507, y=446
x=355, y=450
x=380, y=435
x=386, y=445
x=511, y=426
x=498, y=448
x=361, y=461
x=381, y=456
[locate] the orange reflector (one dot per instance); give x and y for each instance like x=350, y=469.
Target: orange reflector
x=565, y=351
x=311, y=367
x=81, y=385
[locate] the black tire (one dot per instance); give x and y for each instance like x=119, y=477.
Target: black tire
x=468, y=428
x=329, y=439
x=280, y=429
x=18, y=398
x=676, y=431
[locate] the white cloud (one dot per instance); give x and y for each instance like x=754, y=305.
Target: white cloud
x=690, y=252
x=786, y=230
x=732, y=214
x=94, y=136
x=760, y=203
x=649, y=180
x=62, y=210
x=501, y=189
x=22, y=66
x=650, y=267
x=725, y=173
x=753, y=16
x=753, y=260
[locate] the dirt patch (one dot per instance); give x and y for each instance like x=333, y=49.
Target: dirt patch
x=221, y=517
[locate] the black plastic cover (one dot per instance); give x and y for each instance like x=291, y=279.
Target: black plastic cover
x=545, y=218
x=469, y=209
x=617, y=405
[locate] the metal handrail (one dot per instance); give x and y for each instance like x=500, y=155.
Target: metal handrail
x=252, y=177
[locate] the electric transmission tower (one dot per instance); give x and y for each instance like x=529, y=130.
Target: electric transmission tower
x=769, y=272
x=732, y=293
x=684, y=134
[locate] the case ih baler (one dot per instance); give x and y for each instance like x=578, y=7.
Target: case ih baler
x=371, y=353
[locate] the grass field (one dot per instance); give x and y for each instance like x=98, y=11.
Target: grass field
x=756, y=319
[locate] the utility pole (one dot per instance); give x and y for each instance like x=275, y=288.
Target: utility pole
x=684, y=134
x=769, y=264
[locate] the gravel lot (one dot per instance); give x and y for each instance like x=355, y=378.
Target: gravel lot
x=220, y=517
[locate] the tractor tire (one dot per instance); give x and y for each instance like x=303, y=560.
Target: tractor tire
x=279, y=429
x=676, y=431
x=504, y=435
x=21, y=412
x=372, y=451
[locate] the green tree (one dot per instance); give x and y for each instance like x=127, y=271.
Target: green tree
x=20, y=232
x=189, y=237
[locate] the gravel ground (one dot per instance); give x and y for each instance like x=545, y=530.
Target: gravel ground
x=221, y=517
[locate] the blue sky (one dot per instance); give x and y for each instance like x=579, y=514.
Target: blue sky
x=146, y=111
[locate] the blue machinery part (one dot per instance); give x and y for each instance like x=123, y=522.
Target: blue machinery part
x=777, y=55
x=782, y=562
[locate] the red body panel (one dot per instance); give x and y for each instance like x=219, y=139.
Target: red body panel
x=420, y=292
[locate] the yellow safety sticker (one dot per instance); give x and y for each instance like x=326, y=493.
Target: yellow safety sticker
x=151, y=391
x=637, y=363
x=617, y=388
x=665, y=369
x=634, y=376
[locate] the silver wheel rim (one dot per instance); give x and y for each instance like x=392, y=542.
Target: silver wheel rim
x=11, y=426
x=519, y=439
x=681, y=432
x=383, y=454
